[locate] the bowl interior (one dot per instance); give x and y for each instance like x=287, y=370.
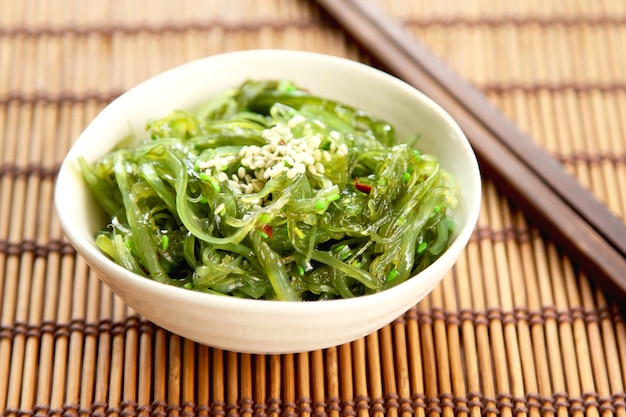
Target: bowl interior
x=189, y=86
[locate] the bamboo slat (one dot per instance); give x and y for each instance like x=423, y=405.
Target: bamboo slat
x=514, y=329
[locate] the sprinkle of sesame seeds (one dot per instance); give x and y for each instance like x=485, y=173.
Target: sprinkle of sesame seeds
x=283, y=154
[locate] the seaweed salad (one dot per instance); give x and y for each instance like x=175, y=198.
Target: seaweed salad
x=270, y=192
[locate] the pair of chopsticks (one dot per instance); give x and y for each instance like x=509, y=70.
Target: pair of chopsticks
x=554, y=200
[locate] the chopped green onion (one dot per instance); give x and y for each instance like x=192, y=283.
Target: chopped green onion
x=422, y=247
x=392, y=275
x=339, y=248
x=320, y=205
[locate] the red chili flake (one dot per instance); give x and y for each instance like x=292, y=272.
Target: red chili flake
x=364, y=188
x=267, y=229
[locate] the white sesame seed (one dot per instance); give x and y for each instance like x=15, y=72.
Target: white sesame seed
x=327, y=156
x=312, y=169
x=241, y=172
x=307, y=158
x=319, y=167
x=222, y=177
x=291, y=173
x=315, y=141
x=219, y=209
x=296, y=120
x=335, y=135
x=257, y=185
x=343, y=149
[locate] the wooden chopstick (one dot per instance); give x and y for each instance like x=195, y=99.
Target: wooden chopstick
x=554, y=200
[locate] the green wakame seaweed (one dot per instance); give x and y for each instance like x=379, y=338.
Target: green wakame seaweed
x=188, y=208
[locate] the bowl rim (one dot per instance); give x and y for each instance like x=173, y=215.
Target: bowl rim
x=99, y=261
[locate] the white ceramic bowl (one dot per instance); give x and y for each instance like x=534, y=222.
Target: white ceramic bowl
x=260, y=326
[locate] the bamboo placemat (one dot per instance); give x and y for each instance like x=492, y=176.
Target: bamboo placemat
x=514, y=329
